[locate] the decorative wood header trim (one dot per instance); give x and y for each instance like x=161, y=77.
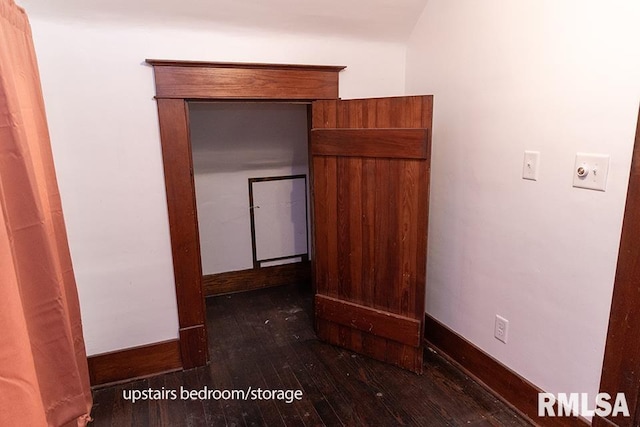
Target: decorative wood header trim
x=246, y=65
x=228, y=80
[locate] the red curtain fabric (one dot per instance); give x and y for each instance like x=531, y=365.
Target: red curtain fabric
x=43, y=367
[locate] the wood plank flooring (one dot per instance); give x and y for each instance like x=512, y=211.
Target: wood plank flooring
x=265, y=339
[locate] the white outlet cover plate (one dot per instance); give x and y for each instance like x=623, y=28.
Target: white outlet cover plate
x=596, y=167
x=530, y=165
x=501, y=329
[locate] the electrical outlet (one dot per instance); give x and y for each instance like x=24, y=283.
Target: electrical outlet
x=501, y=331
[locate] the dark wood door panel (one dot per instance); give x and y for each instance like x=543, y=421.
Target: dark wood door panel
x=370, y=170
x=404, y=330
x=390, y=143
x=399, y=112
x=372, y=243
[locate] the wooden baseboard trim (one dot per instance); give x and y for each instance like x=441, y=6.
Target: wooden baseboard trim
x=256, y=278
x=193, y=341
x=133, y=363
x=507, y=385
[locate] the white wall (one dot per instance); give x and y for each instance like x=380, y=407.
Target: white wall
x=104, y=132
x=231, y=143
x=558, y=76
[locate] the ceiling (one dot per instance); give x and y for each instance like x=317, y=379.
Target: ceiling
x=389, y=20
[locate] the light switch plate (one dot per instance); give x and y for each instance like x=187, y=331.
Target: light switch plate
x=530, y=165
x=590, y=171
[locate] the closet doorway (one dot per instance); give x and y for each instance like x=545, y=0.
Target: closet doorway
x=251, y=168
x=177, y=84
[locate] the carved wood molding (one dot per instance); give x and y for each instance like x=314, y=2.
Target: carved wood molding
x=232, y=80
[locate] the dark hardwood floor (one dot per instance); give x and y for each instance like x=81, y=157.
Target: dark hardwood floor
x=264, y=339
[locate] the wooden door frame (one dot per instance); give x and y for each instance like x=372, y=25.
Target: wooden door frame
x=621, y=366
x=178, y=82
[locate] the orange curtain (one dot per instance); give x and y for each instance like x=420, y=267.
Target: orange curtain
x=43, y=367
